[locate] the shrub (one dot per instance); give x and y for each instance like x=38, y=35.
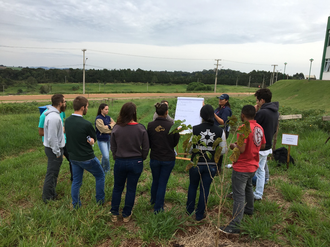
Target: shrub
x=198, y=86
x=75, y=88
x=45, y=89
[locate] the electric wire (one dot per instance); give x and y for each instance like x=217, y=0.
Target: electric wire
x=125, y=54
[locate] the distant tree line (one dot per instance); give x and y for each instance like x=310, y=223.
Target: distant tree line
x=33, y=76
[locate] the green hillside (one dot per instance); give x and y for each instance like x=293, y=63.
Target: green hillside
x=302, y=94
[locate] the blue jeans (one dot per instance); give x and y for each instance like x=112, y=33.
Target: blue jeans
x=94, y=167
x=260, y=173
x=130, y=170
x=254, y=179
x=105, y=150
x=242, y=195
x=161, y=171
x=201, y=176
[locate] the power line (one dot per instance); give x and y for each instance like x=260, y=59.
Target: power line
x=125, y=54
x=34, y=47
x=244, y=62
x=131, y=55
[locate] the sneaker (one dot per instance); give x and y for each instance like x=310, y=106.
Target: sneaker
x=127, y=219
x=114, y=218
x=257, y=199
x=200, y=218
x=230, y=195
x=229, y=230
x=248, y=213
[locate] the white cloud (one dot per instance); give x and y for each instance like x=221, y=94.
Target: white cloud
x=252, y=33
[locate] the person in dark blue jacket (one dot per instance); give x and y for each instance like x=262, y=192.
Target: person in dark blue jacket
x=222, y=113
x=103, y=126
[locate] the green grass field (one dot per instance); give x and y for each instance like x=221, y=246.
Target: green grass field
x=66, y=88
x=295, y=210
x=302, y=94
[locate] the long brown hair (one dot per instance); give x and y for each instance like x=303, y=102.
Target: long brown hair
x=127, y=114
x=101, y=107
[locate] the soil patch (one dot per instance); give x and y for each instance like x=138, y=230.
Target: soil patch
x=42, y=98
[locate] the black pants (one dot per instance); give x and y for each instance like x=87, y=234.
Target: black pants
x=53, y=168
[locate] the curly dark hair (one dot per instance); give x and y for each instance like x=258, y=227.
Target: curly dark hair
x=265, y=94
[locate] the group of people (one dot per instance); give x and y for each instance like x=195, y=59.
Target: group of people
x=130, y=142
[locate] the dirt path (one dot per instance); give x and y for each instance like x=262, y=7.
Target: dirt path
x=24, y=98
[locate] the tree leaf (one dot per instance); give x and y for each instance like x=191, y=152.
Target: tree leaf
x=216, y=142
x=235, y=155
x=186, y=142
x=195, y=160
x=208, y=154
x=174, y=128
x=195, y=139
x=217, y=154
x=189, y=166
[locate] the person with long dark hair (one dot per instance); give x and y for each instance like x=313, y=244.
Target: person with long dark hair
x=202, y=175
x=129, y=146
x=162, y=155
x=103, y=127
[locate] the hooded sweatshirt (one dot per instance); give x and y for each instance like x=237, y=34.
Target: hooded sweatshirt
x=267, y=117
x=53, y=131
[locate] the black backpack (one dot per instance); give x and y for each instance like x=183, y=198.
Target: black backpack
x=280, y=155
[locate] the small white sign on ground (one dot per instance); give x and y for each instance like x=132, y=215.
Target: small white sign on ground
x=289, y=139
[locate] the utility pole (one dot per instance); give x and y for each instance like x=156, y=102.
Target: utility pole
x=236, y=81
x=84, y=63
x=216, y=74
x=249, y=80
x=273, y=76
x=263, y=82
x=310, y=68
x=284, y=69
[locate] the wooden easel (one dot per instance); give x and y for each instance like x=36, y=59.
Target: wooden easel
x=184, y=155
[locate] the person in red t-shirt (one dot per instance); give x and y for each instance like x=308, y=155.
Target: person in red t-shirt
x=244, y=169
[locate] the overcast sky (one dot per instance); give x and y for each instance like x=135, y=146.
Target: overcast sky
x=164, y=35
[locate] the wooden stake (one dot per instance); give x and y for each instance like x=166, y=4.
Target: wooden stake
x=288, y=158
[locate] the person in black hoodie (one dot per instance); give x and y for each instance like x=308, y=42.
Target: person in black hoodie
x=267, y=116
x=162, y=155
x=202, y=175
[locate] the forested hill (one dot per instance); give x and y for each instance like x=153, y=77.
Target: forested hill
x=227, y=76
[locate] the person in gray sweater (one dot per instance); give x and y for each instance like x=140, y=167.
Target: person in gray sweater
x=129, y=147
x=54, y=143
